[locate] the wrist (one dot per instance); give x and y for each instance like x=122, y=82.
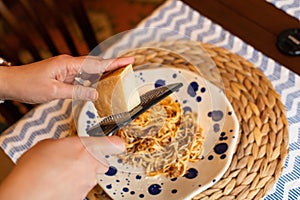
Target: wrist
x=3, y=78
x=9, y=88
x=3, y=83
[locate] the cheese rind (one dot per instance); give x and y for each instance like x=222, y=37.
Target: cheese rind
x=118, y=92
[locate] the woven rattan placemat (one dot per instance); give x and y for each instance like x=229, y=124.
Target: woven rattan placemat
x=263, y=136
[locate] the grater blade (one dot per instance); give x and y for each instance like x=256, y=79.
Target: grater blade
x=112, y=123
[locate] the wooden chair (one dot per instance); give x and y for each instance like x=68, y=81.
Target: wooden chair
x=32, y=30
x=37, y=29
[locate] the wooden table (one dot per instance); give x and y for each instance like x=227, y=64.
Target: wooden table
x=255, y=21
x=6, y=165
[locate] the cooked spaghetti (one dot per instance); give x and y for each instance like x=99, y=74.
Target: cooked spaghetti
x=163, y=140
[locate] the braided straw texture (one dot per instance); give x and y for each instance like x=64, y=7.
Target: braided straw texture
x=263, y=136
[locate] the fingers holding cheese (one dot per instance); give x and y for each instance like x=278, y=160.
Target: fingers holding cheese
x=96, y=65
x=113, y=64
x=91, y=71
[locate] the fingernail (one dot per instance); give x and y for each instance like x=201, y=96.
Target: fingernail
x=118, y=143
x=97, y=153
x=100, y=147
x=92, y=95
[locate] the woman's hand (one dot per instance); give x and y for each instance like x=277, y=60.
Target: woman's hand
x=60, y=169
x=53, y=78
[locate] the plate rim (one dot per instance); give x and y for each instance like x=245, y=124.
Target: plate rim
x=230, y=152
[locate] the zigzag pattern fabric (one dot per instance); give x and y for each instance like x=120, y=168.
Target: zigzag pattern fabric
x=49, y=120
x=291, y=7
x=52, y=120
x=287, y=85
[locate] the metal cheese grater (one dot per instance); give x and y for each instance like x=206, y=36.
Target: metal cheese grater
x=111, y=124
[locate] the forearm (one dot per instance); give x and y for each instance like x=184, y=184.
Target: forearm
x=6, y=188
x=5, y=79
x=28, y=186
x=22, y=83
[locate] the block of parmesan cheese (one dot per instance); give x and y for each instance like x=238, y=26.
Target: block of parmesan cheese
x=118, y=92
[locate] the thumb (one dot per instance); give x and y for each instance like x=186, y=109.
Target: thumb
x=100, y=147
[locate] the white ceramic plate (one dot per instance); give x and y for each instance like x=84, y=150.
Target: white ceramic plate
x=219, y=124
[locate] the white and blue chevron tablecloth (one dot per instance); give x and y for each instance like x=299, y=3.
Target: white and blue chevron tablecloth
x=52, y=120
x=292, y=7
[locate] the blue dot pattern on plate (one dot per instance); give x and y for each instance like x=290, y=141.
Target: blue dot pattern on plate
x=191, y=173
x=138, y=177
x=140, y=76
x=216, y=115
x=198, y=98
x=194, y=92
x=109, y=186
x=219, y=148
x=92, y=119
x=159, y=83
x=154, y=189
x=90, y=114
x=187, y=109
x=111, y=171
x=216, y=127
x=192, y=88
